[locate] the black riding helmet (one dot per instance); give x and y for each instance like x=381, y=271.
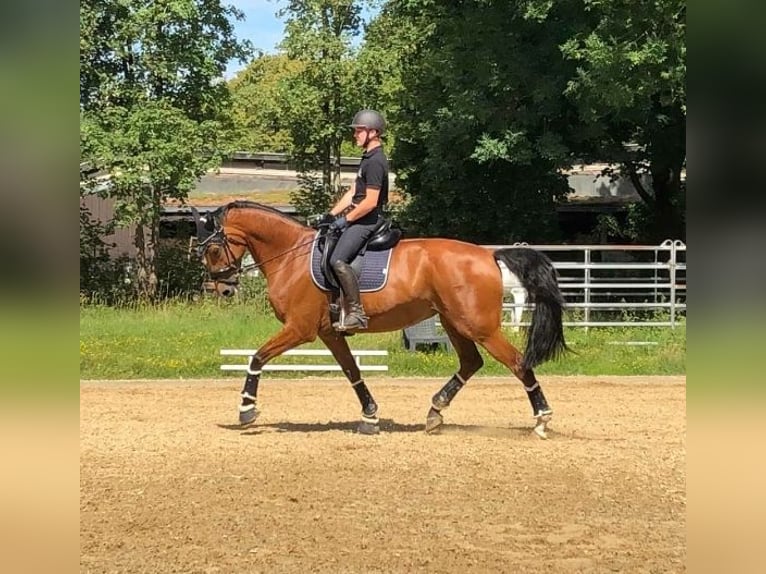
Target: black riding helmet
x=369, y=119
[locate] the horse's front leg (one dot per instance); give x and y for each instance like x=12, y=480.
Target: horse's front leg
x=283, y=341
x=370, y=423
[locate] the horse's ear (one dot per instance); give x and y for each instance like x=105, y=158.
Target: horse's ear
x=204, y=225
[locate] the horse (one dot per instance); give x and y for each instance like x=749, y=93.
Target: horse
x=459, y=281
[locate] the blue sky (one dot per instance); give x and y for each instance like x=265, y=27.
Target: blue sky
x=261, y=26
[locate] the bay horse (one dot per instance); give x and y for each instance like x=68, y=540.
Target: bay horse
x=459, y=281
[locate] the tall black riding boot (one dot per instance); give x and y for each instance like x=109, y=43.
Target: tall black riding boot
x=355, y=318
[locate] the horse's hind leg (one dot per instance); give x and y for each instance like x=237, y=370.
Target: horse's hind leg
x=470, y=362
x=340, y=350
x=503, y=351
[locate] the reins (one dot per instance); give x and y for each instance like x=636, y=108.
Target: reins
x=258, y=265
x=250, y=266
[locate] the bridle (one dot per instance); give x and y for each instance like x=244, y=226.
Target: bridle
x=229, y=274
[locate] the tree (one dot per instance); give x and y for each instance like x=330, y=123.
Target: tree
x=153, y=104
x=321, y=98
x=496, y=98
x=259, y=110
x=630, y=89
x=389, y=40
x=482, y=124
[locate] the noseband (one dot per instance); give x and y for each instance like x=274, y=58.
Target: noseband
x=228, y=275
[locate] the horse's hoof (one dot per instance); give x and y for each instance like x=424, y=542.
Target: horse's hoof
x=248, y=416
x=433, y=421
x=542, y=424
x=367, y=428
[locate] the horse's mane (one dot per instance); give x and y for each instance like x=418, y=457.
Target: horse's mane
x=221, y=212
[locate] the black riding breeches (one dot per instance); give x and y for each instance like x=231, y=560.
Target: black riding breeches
x=352, y=240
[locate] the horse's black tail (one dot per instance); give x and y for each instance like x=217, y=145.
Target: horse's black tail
x=545, y=336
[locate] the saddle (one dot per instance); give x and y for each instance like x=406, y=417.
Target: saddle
x=370, y=265
x=384, y=237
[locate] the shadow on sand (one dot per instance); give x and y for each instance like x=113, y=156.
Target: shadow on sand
x=390, y=426
x=386, y=425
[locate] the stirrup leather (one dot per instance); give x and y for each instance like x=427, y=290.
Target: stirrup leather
x=351, y=322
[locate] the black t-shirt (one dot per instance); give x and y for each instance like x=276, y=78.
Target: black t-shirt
x=373, y=172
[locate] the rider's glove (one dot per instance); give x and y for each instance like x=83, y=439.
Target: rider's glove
x=339, y=224
x=325, y=220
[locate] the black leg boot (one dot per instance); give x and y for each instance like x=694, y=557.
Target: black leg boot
x=355, y=318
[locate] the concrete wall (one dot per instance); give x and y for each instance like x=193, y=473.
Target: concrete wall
x=249, y=173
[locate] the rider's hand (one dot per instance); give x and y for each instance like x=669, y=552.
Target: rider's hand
x=325, y=220
x=339, y=224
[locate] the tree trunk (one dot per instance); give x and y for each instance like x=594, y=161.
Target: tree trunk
x=667, y=153
x=336, y=184
x=327, y=182
x=668, y=222
x=146, y=239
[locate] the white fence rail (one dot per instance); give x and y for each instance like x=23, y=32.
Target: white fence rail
x=613, y=285
x=358, y=354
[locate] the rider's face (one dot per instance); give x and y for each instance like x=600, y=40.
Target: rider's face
x=360, y=136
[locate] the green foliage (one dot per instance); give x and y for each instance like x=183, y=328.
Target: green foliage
x=253, y=292
x=102, y=277
x=630, y=229
x=258, y=108
x=155, y=151
x=608, y=228
x=630, y=89
x=483, y=123
x=638, y=49
x=486, y=102
x=311, y=197
x=111, y=280
x=179, y=272
x=489, y=100
x=320, y=99
x=122, y=343
x=388, y=41
x=153, y=106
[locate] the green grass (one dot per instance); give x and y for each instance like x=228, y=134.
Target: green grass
x=182, y=340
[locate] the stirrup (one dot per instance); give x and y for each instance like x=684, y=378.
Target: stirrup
x=351, y=322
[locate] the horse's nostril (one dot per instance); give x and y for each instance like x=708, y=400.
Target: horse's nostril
x=227, y=292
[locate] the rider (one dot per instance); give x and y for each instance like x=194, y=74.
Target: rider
x=358, y=212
